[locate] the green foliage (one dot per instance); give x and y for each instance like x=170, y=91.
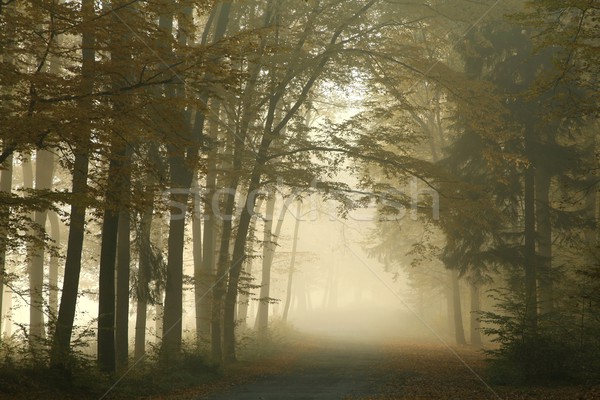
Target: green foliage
x=24, y=373
x=556, y=352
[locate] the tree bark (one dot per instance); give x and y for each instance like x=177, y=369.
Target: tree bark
x=53, y=266
x=544, y=240
x=244, y=306
x=108, y=253
x=288, y=292
x=144, y=257
x=143, y=281
x=44, y=171
x=459, y=330
x=122, y=291
x=475, y=309
x=5, y=187
x=199, y=276
x=269, y=243
x=529, y=247
x=66, y=314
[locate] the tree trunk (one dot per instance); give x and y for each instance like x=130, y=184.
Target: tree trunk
x=145, y=256
x=172, y=319
x=108, y=253
x=239, y=255
x=544, y=240
x=457, y=310
x=529, y=248
x=181, y=178
x=288, y=292
x=66, y=313
x=450, y=302
x=262, y=318
x=475, y=309
x=199, y=276
x=143, y=281
x=44, y=171
x=206, y=274
x=122, y=291
x=53, y=266
x=219, y=288
x=244, y=305
x=5, y=187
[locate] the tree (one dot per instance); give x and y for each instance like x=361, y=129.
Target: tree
x=5, y=188
x=182, y=158
x=288, y=292
x=66, y=313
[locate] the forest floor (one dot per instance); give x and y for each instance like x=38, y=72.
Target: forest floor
x=308, y=367
x=331, y=369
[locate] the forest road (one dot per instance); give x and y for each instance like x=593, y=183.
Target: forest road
x=330, y=371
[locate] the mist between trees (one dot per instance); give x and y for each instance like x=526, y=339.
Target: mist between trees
x=395, y=200
x=151, y=152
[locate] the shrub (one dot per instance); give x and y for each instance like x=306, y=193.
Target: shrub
x=555, y=352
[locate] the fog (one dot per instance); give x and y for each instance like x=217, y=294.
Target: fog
x=196, y=191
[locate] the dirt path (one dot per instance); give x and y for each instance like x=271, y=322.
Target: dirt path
x=345, y=370
x=328, y=371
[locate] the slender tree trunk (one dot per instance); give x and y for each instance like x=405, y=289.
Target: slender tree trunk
x=288, y=292
x=199, y=292
x=239, y=255
x=450, y=304
x=219, y=288
x=5, y=187
x=53, y=266
x=180, y=178
x=529, y=248
x=36, y=300
x=66, y=314
x=142, y=290
x=244, y=306
x=209, y=245
x=458, y=322
x=44, y=171
x=172, y=319
x=205, y=279
x=159, y=309
x=122, y=291
x=145, y=256
x=269, y=243
x=544, y=240
x=475, y=309
x=108, y=253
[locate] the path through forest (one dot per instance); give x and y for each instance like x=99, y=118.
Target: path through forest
x=347, y=370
